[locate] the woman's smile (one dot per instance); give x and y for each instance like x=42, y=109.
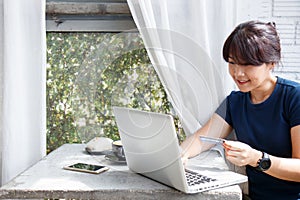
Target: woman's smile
x=242, y=82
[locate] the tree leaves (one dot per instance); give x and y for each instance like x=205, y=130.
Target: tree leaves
x=87, y=74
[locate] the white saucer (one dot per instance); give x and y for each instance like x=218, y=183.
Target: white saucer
x=95, y=152
x=113, y=158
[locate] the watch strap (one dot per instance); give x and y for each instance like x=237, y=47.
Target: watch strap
x=264, y=163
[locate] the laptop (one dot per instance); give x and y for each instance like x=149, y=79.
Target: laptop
x=152, y=149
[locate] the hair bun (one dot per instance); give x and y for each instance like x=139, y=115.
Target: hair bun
x=272, y=24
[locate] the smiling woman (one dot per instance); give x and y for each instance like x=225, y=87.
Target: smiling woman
x=265, y=114
x=251, y=64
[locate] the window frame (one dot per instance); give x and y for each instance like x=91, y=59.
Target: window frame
x=88, y=16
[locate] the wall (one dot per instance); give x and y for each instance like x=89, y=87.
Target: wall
x=1, y=83
x=286, y=15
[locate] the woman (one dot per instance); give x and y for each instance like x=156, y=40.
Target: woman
x=265, y=115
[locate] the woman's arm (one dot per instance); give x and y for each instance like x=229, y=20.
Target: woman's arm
x=215, y=127
x=288, y=168
x=283, y=168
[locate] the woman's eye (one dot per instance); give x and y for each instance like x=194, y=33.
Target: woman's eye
x=230, y=62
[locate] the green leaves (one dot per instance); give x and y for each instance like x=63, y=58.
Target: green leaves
x=87, y=74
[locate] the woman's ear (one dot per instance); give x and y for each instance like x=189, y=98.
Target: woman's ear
x=272, y=65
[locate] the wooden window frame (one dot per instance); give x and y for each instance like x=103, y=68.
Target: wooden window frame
x=88, y=16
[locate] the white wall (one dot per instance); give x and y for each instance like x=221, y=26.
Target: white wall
x=1, y=83
x=286, y=15
x=23, y=85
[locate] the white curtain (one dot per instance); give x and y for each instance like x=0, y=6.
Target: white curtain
x=23, y=85
x=184, y=40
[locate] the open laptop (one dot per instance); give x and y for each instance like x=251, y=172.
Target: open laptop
x=151, y=148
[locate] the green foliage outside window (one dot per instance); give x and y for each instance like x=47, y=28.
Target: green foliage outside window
x=87, y=73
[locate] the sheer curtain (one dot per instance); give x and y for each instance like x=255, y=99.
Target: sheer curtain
x=23, y=91
x=184, y=41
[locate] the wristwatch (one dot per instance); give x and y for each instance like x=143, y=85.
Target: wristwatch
x=264, y=163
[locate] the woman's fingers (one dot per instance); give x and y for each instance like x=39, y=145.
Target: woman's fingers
x=240, y=153
x=234, y=145
x=237, y=152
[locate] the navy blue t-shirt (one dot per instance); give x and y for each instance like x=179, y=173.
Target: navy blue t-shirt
x=266, y=127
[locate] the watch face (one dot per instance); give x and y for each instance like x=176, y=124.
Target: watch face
x=265, y=164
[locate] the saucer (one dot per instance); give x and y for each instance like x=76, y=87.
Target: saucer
x=95, y=152
x=113, y=158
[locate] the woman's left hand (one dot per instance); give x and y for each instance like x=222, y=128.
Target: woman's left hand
x=241, y=154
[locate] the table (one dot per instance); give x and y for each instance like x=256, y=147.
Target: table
x=47, y=179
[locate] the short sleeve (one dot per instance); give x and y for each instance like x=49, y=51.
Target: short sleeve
x=224, y=111
x=221, y=110
x=294, y=107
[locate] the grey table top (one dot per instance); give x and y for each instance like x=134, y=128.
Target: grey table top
x=47, y=179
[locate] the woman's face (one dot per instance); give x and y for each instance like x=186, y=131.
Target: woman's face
x=249, y=78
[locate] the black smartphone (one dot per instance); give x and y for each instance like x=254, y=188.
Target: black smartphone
x=85, y=167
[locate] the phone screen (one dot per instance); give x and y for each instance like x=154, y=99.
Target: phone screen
x=84, y=167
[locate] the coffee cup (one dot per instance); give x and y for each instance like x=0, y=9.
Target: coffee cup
x=117, y=149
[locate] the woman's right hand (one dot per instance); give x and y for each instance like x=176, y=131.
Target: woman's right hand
x=192, y=145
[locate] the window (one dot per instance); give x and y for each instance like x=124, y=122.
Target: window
x=94, y=61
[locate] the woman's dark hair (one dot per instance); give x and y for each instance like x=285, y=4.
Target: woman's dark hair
x=253, y=43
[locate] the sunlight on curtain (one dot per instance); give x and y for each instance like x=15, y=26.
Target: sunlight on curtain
x=184, y=41
x=23, y=139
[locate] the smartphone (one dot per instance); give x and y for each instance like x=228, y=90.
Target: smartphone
x=212, y=140
x=85, y=167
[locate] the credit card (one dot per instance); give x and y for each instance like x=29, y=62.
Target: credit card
x=211, y=140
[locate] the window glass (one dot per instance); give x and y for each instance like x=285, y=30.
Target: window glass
x=87, y=73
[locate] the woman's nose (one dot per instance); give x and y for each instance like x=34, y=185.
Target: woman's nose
x=239, y=70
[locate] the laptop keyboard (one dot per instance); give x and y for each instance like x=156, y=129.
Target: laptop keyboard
x=194, y=178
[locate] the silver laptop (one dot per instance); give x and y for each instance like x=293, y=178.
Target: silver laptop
x=151, y=148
